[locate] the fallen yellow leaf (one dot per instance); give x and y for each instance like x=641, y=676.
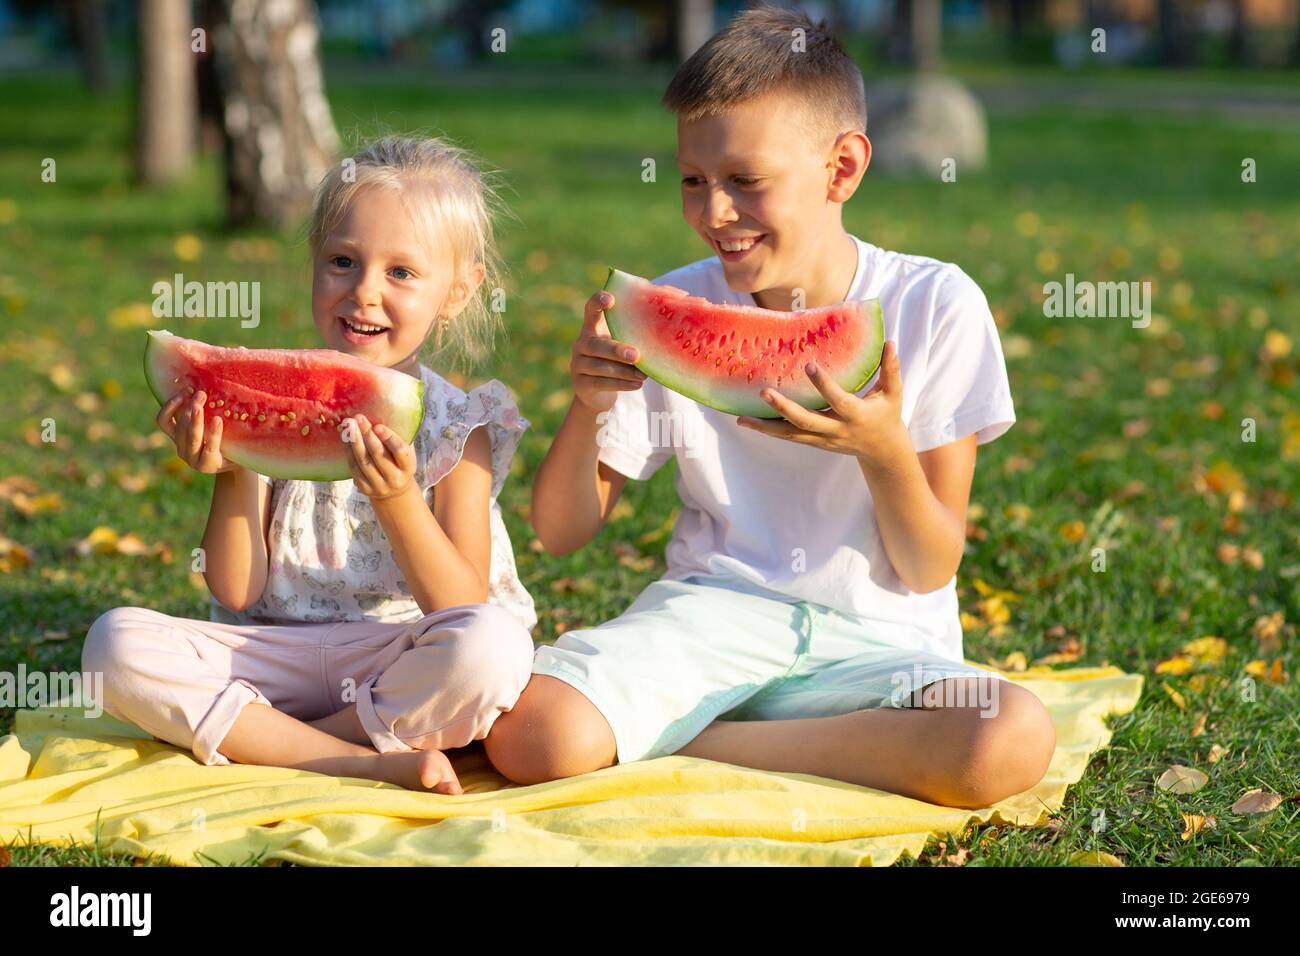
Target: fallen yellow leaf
x=1194, y=823
x=1180, y=779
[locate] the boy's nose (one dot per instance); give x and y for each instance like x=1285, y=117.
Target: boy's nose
x=718, y=210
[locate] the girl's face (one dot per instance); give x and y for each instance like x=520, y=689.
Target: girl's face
x=377, y=288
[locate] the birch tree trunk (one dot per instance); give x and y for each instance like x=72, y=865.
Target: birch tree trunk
x=278, y=131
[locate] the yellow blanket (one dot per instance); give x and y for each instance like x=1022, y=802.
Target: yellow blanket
x=59, y=770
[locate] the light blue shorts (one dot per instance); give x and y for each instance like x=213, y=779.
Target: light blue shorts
x=689, y=652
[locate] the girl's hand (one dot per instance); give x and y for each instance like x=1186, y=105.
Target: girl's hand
x=383, y=466
x=600, y=366
x=870, y=427
x=198, y=446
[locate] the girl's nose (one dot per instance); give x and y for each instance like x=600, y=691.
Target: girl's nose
x=367, y=288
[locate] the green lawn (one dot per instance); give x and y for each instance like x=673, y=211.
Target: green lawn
x=1129, y=439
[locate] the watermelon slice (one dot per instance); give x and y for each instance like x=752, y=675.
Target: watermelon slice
x=283, y=408
x=723, y=356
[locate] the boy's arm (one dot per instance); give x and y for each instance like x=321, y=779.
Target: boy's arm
x=574, y=491
x=920, y=499
x=920, y=505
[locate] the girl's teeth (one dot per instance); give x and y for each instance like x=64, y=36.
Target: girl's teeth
x=736, y=245
x=363, y=328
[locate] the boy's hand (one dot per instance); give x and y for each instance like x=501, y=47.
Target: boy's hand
x=600, y=366
x=182, y=422
x=870, y=427
x=383, y=466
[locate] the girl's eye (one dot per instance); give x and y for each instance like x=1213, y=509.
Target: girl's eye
x=406, y=273
x=690, y=180
x=745, y=180
x=341, y=262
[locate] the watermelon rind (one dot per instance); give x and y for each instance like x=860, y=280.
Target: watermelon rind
x=852, y=379
x=403, y=394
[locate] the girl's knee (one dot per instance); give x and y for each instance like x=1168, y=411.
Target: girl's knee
x=107, y=644
x=495, y=647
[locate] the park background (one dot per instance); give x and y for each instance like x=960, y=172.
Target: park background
x=1171, y=156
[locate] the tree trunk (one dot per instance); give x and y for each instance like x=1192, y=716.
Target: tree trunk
x=279, y=133
x=90, y=31
x=927, y=30
x=167, y=106
x=1174, y=49
x=694, y=25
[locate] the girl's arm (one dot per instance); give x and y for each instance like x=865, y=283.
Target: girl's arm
x=444, y=552
x=234, y=541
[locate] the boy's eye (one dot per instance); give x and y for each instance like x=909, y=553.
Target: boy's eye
x=341, y=262
x=690, y=180
x=406, y=273
x=745, y=180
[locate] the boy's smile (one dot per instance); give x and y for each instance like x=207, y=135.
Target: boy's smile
x=766, y=198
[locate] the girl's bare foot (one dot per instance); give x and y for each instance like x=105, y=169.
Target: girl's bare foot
x=415, y=770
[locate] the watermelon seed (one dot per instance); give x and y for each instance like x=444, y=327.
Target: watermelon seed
x=261, y=418
x=292, y=416
x=226, y=413
x=306, y=429
x=678, y=335
x=219, y=402
x=243, y=416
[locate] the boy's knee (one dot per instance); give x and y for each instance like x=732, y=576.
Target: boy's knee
x=552, y=732
x=1010, y=748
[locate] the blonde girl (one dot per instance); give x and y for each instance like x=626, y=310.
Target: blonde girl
x=359, y=627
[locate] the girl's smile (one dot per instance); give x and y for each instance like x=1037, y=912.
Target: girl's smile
x=377, y=286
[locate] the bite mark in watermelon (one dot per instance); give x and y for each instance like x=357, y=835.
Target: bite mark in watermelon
x=282, y=409
x=723, y=356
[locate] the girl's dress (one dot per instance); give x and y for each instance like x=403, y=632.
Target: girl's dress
x=336, y=623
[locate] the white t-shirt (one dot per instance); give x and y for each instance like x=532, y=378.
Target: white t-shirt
x=799, y=520
x=330, y=561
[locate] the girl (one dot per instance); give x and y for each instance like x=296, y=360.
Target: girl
x=360, y=627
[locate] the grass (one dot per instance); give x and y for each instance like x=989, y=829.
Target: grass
x=1128, y=439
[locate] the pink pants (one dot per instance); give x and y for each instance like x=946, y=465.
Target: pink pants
x=433, y=684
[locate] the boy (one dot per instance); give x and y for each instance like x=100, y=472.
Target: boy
x=808, y=619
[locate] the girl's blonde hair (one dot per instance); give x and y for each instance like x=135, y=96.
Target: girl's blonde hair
x=446, y=193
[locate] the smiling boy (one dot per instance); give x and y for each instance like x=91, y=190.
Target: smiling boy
x=808, y=618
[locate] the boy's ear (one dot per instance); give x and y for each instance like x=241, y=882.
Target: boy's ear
x=461, y=292
x=848, y=163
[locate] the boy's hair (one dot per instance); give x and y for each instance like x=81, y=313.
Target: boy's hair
x=446, y=195
x=759, y=52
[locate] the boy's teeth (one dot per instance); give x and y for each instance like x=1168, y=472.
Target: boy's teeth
x=735, y=245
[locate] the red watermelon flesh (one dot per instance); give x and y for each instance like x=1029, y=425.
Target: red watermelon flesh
x=723, y=356
x=282, y=409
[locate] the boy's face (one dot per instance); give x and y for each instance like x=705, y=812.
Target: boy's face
x=757, y=189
